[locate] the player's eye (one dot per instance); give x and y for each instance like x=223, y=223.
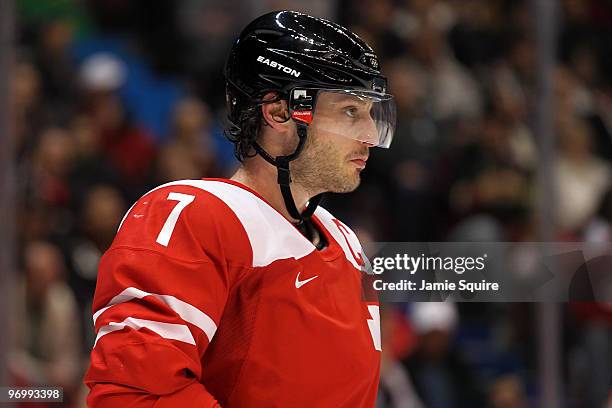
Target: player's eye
x=351, y=111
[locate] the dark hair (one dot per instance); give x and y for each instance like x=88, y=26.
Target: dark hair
x=244, y=134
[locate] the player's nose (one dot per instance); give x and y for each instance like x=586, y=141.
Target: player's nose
x=369, y=134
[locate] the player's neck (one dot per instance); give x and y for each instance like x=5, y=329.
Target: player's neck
x=260, y=176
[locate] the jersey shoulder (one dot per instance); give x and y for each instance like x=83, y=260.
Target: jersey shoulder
x=211, y=213
x=186, y=219
x=343, y=235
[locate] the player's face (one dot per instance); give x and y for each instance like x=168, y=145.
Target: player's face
x=332, y=158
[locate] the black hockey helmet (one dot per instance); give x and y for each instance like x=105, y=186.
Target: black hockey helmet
x=300, y=57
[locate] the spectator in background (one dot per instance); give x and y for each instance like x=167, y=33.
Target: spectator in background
x=395, y=389
x=57, y=69
x=452, y=91
x=45, y=189
x=372, y=21
x=190, y=151
x=441, y=378
x=509, y=104
x=30, y=113
x=47, y=351
x=91, y=166
x=599, y=228
x=507, y=392
x=591, y=356
x=129, y=148
x=581, y=177
x=99, y=217
x=208, y=29
x=50, y=168
x=484, y=177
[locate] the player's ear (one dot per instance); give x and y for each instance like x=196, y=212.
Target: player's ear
x=275, y=111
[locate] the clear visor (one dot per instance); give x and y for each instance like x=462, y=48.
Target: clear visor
x=366, y=116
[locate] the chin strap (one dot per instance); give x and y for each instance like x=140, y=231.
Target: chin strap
x=284, y=175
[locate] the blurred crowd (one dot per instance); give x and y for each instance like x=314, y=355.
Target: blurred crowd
x=112, y=98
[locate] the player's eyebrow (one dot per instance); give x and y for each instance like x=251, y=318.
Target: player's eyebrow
x=351, y=99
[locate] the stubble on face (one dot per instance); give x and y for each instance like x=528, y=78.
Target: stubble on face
x=323, y=166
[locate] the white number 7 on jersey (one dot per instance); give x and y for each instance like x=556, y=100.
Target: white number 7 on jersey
x=166, y=232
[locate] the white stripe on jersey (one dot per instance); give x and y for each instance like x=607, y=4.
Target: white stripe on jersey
x=186, y=311
x=171, y=331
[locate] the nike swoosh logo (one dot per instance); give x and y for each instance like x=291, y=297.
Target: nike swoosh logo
x=299, y=283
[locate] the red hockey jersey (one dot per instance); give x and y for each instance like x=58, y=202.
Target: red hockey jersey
x=210, y=296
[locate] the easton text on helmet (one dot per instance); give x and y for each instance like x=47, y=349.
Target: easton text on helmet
x=281, y=67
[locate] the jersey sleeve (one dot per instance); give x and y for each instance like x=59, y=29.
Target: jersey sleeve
x=161, y=291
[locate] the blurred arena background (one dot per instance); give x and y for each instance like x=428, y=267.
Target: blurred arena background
x=504, y=134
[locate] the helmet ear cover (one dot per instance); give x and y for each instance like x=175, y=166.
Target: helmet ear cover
x=302, y=104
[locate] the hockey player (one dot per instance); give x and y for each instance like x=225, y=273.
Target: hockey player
x=244, y=292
